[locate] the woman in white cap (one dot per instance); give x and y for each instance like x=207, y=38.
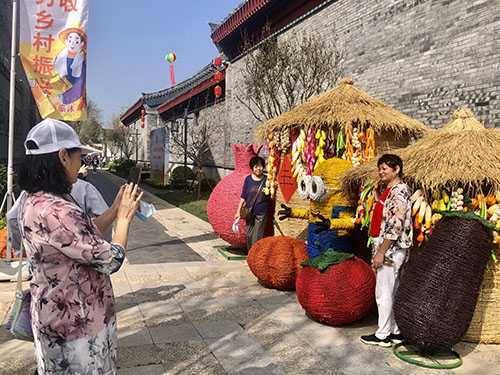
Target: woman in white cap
x=72, y=308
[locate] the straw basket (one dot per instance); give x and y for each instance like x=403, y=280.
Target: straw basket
x=485, y=324
x=438, y=291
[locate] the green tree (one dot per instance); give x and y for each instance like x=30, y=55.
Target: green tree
x=90, y=130
x=286, y=71
x=119, y=139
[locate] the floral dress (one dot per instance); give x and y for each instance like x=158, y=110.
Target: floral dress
x=72, y=308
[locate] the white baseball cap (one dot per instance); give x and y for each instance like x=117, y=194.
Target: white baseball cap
x=51, y=136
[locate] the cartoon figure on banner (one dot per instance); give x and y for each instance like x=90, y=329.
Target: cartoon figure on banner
x=70, y=64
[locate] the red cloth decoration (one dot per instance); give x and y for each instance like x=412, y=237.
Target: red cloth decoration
x=225, y=197
x=275, y=261
x=172, y=75
x=217, y=91
x=378, y=210
x=341, y=295
x=286, y=182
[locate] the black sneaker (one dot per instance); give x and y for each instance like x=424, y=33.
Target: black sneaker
x=374, y=340
x=396, y=339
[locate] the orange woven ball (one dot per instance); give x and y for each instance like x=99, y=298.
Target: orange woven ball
x=275, y=261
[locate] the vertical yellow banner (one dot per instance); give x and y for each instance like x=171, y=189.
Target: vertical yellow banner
x=53, y=48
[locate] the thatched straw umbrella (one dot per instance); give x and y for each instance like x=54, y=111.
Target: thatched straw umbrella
x=341, y=112
x=343, y=106
x=461, y=154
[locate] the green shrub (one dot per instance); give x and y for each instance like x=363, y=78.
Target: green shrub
x=179, y=176
x=121, y=167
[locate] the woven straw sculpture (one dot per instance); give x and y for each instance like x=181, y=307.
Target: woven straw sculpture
x=439, y=289
x=225, y=197
x=463, y=153
x=341, y=295
x=341, y=107
x=275, y=261
x=485, y=324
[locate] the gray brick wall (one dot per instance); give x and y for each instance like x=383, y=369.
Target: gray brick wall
x=424, y=57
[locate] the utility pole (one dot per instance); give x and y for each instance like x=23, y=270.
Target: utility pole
x=8, y=199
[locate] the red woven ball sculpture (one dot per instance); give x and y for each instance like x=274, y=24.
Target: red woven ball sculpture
x=275, y=261
x=225, y=197
x=342, y=294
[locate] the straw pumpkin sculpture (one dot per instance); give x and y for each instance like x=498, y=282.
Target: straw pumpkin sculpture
x=342, y=294
x=275, y=261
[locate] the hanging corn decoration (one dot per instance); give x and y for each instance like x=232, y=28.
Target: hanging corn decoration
x=370, y=144
x=298, y=168
x=272, y=168
x=320, y=147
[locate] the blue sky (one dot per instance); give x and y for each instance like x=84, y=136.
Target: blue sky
x=128, y=40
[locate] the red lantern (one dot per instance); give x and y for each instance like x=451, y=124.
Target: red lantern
x=143, y=115
x=217, y=91
x=218, y=76
x=217, y=62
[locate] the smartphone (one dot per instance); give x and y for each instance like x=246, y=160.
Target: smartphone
x=134, y=175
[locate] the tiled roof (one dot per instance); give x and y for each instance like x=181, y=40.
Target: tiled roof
x=236, y=18
x=157, y=98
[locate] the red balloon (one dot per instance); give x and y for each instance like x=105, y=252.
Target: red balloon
x=218, y=61
x=218, y=91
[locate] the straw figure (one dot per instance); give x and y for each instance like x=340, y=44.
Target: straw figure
x=455, y=174
x=345, y=123
x=275, y=261
x=330, y=214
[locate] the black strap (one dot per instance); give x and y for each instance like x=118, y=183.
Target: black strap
x=257, y=194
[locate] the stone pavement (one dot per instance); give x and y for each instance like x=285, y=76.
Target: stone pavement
x=183, y=309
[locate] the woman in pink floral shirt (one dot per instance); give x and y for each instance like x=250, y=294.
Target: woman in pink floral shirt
x=73, y=314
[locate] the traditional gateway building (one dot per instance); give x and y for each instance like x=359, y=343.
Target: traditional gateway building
x=424, y=57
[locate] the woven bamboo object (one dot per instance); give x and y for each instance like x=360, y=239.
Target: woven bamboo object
x=485, y=324
x=439, y=289
x=340, y=295
x=275, y=261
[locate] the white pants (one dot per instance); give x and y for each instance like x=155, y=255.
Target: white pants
x=385, y=290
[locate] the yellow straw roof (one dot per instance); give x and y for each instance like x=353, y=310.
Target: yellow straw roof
x=342, y=106
x=463, y=153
